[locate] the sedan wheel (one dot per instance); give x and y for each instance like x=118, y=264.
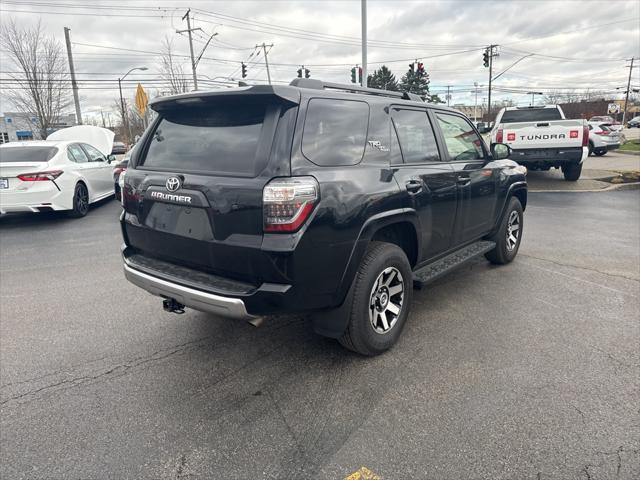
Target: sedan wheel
x=80, y=201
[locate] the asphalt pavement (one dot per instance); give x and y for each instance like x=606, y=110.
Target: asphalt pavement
x=527, y=371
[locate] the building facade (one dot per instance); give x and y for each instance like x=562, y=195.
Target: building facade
x=16, y=126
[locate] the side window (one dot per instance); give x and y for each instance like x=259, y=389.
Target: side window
x=76, y=154
x=93, y=153
x=416, y=136
x=463, y=143
x=335, y=131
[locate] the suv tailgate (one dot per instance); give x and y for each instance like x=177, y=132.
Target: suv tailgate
x=194, y=194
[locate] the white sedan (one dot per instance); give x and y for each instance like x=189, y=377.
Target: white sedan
x=68, y=171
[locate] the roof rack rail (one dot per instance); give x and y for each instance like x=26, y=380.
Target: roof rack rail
x=320, y=85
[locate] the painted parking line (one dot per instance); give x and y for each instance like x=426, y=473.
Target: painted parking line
x=363, y=474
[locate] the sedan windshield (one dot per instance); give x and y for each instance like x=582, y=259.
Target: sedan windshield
x=27, y=154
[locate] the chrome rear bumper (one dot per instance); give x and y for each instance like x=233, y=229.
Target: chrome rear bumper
x=190, y=297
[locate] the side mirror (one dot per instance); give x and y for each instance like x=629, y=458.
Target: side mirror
x=500, y=151
x=111, y=158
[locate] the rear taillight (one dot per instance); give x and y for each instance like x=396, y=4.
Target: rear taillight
x=511, y=137
x=585, y=135
x=573, y=134
x=40, y=176
x=499, y=136
x=602, y=132
x=288, y=203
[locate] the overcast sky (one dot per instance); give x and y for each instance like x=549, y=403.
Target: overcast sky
x=577, y=44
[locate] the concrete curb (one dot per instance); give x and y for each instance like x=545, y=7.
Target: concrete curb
x=619, y=186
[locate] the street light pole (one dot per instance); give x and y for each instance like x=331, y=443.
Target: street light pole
x=475, y=105
x=364, y=43
x=533, y=98
x=125, y=119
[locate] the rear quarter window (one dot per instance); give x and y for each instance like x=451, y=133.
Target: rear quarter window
x=335, y=131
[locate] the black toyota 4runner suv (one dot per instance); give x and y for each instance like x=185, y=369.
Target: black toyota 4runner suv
x=328, y=199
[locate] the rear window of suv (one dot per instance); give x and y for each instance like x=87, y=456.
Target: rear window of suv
x=531, y=115
x=335, y=131
x=216, y=138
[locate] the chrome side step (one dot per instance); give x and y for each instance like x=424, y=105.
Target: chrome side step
x=431, y=272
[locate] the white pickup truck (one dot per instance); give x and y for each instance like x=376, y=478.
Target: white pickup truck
x=541, y=138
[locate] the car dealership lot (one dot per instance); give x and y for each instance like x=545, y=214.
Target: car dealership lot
x=526, y=371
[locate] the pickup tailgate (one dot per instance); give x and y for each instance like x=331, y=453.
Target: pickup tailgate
x=543, y=135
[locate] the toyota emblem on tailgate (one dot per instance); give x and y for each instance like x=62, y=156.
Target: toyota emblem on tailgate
x=173, y=184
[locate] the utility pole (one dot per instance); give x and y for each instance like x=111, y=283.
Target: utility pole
x=193, y=60
x=448, y=95
x=626, y=98
x=491, y=55
x=364, y=43
x=266, y=61
x=74, y=84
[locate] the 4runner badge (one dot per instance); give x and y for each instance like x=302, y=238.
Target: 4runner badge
x=173, y=184
x=377, y=144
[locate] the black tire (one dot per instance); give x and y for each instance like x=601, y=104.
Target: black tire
x=590, y=148
x=506, y=250
x=80, y=201
x=599, y=153
x=572, y=171
x=361, y=335
x=117, y=192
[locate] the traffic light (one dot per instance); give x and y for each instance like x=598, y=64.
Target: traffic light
x=307, y=73
x=412, y=67
x=353, y=75
x=485, y=58
x=244, y=70
x=300, y=72
x=360, y=75
x=420, y=67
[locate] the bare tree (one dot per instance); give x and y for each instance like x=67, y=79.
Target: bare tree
x=135, y=122
x=42, y=88
x=171, y=70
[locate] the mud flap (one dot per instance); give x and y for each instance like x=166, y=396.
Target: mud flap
x=332, y=323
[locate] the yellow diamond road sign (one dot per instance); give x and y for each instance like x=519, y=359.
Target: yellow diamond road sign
x=141, y=100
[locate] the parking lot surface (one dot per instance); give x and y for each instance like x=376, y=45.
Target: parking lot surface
x=531, y=370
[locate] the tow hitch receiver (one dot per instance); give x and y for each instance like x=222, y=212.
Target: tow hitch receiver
x=171, y=306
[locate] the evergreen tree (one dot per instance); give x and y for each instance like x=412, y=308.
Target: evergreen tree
x=415, y=81
x=383, y=79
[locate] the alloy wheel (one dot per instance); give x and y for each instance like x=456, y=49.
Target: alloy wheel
x=82, y=198
x=513, y=230
x=386, y=300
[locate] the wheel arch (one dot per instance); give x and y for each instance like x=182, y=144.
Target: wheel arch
x=392, y=226
x=386, y=226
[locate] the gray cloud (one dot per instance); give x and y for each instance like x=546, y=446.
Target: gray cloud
x=515, y=25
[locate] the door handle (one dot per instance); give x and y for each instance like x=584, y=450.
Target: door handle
x=414, y=186
x=463, y=181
